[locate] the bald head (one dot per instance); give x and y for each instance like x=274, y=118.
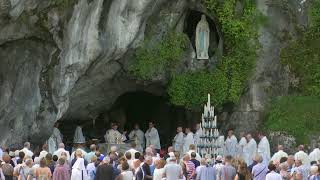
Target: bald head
x=301, y=147
x=203, y=161
x=93, y=147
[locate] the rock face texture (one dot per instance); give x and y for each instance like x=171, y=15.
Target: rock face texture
x=63, y=60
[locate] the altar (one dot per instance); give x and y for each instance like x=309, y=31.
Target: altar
x=104, y=148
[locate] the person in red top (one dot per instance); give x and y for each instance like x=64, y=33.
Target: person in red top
x=190, y=167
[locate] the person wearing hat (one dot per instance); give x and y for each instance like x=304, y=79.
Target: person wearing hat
x=113, y=136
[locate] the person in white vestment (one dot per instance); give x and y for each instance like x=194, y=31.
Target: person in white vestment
x=62, y=150
x=113, y=136
x=278, y=155
x=44, y=151
x=264, y=149
x=79, y=171
x=26, y=150
x=152, y=137
x=178, y=140
x=315, y=155
x=242, y=143
x=188, y=140
x=138, y=135
x=55, y=139
x=78, y=136
x=197, y=134
x=231, y=144
x=250, y=149
x=301, y=155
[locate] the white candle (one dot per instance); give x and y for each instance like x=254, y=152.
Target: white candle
x=209, y=100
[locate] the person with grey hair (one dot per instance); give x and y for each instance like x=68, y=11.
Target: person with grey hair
x=260, y=170
x=172, y=170
x=144, y=172
x=207, y=172
x=303, y=156
x=26, y=150
x=300, y=171
x=61, y=150
x=93, y=149
x=228, y=171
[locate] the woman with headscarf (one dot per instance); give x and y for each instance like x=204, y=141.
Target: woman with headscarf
x=79, y=171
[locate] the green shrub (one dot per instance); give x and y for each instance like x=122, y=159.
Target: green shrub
x=152, y=60
x=227, y=81
x=303, y=56
x=297, y=115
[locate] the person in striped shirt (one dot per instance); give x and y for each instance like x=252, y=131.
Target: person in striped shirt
x=190, y=167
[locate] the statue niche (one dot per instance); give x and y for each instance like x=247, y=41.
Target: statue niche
x=202, y=38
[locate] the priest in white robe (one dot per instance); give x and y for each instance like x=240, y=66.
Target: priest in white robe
x=198, y=134
x=78, y=137
x=231, y=144
x=138, y=135
x=278, y=155
x=178, y=140
x=188, y=140
x=264, y=149
x=113, y=136
x=301, y=155
x=250, y=149
x=242, y=143
x=315, y=155
x=152, y=137
x=55, y=139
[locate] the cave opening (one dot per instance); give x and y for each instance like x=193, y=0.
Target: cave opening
x=135, y=107
x=192, y=19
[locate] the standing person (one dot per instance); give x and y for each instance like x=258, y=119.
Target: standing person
x=25, y=169
x=159, y=171
x=264, y=148
x=126, y=173
x=188, y=140
x=105, y=171
x=113, y=136
x=26, y=150
x=43, y=172
x=138, y=135
x=260, y=170
x=152, y=137
x=91, y=168
x=1, y=173
x=250, y=149
x=315, y=155
x=55, y=139
x=272, y=175
x=62, y=150
x=300, y=171
x=44, y=151
x=228, y=172
x=178, y=140
x=194, y=160
x=79, y=171
x=7, y=168
x=133, y=150
x=231, y=144
x=197, y=134
x=192, y=148
x=278, y=155
x=218, y=166
x=61, y=172
x=207, y=172
x=301, y=155
x=172, y=170
x=144, y=172
x=241, y=145
x=242, y=172
x=191, y=169
x=93, y=149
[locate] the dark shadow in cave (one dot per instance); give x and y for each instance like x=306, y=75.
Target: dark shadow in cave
x=190, y=25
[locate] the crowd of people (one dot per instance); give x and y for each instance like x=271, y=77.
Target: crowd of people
x=243, y=160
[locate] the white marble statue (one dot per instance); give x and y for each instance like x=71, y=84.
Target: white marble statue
x=55, y=139
x=78, y=136
x=202, y=38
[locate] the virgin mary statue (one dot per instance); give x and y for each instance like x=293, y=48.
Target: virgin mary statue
x=202, y=38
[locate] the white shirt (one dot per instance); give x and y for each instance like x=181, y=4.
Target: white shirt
x=178, y=142
x=273, y=176
x=59, y=152
x=172, y=171
x=158, y=173
x=127, y=175
x=264, y=150
x=278, y=155
x=231, y=146
x=188, y=139
x=152, y=138
x=301, y=155
x=27, y=152
x=83, y=153
x=241, y=145
x=250, y=149
x=315, y=155
x=43, y=154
